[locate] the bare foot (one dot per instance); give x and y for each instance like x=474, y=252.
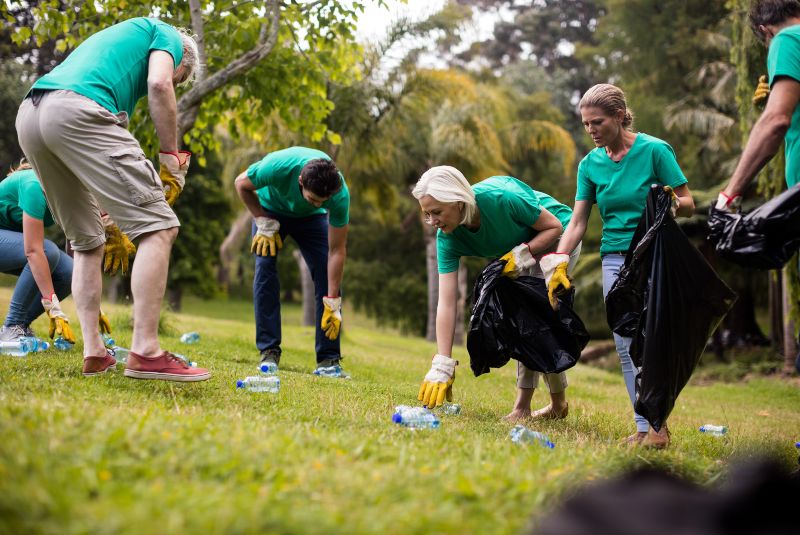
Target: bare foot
x=517, y=415
x=551, y=413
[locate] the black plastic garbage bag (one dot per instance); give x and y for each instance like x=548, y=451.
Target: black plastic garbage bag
x=765, y=238
x=514, y=319
x=669, y=300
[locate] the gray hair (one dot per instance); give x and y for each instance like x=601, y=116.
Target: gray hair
x=191, y=55
x=447, y=184
x=610, y=99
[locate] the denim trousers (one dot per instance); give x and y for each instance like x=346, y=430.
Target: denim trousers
x=26, y=303
x=311, y=235
x=612, y=263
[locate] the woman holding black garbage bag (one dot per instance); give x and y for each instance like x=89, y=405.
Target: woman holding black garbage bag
x=497, y=217
x=617, y=175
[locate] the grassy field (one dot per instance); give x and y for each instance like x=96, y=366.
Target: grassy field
x=114, y=455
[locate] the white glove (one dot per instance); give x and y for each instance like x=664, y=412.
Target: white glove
x=518, y=260
x=732, y=205
x=550, y=262
x=266, y=241
x=442, y=369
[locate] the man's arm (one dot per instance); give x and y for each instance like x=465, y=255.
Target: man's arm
x=247, y=192
x=161, y=99
x=767, y=134
x=337, y=252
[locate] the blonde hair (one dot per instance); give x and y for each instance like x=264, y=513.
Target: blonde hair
x=21, y=166
x=191, y=55
x=447, y=184
x=610, y=99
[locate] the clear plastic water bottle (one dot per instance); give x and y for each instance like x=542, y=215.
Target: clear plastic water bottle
x=190, y=338
x=415, y=417
x=714, y=430
x=268, y=368
x=185, y=359
x=522, y=435
x=335, y=371
x=23, y=346
x=120, y=354
x=451, y=409
x=260, y=383
x=61, y=344
x=108, y=341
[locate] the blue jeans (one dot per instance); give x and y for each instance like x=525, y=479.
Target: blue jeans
x=612, y=263
x=26, y=303
x=311, y=235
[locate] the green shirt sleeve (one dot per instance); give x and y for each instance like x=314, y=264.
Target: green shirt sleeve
x=261, y=173
x=446, y=259
x=783, y=58
x=32, y=200
x=667, y=169
x=338, y=207
x=586, y=189
x=524, y=208
x=168, y=39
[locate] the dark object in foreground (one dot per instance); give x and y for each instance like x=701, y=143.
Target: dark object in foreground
x=765, y=238
x=669, y=300
x=758, y=499
x=514, y=319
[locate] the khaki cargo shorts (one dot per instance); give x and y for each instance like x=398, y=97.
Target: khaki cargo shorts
x=87, y=160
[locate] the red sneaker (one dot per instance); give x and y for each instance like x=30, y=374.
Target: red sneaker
x=166, y=367
x=98, y=365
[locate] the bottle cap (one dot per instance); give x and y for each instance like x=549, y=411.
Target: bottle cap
x=396, y=418
x=240, y=384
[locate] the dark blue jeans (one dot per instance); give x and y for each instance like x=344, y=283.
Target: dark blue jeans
x=311, y=236
x=26, y=303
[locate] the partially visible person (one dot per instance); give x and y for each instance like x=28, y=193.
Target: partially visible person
x=500, y=216
x=72, y=126
x=617, y=176
x=45, y=271
x=298, y=192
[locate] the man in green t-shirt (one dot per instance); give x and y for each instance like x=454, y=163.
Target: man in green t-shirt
x=72, y=127
x=298, y=192
x=777, y=24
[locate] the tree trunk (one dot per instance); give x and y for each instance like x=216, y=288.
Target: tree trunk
x=309, y=317
x=230, y=247
x=433, y=279
x=789, y=343
x=461, y=304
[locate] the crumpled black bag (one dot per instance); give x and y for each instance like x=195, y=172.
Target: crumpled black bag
x=669, y=300
x=765, y=238
x=512, y=318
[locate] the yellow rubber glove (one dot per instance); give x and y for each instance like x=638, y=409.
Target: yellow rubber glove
x=554, y=266
x=117, y=250
x=267, y=240
x=331, y=317
x=675, y=202
x=172, y=171
x=438, y=383
x=104, y=324
x=762, y=91
x=517, y=260
x=59, y=323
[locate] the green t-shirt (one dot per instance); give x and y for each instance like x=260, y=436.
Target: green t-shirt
x=110, y=67
x=21, y=192
x=620, y=188
x=783, y=59
x=508, y=209
x=275, y=178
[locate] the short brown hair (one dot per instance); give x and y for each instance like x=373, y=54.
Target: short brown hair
x=770, y=13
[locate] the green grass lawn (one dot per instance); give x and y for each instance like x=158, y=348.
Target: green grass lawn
x=109, y=454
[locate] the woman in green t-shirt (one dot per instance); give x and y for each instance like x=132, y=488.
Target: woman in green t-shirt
x=497, y=217
x=45, y=271
x=617, y=176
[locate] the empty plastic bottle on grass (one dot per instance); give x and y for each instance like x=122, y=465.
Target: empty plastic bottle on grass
x=108, y=341
x=190, y=338
x=415, y=417
x=522, y=435
x=61, y=344
x=23, y=346
x=260, y=383
x=714, y=430
x=451, y=409
x=268, y=368
x=331, y=371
